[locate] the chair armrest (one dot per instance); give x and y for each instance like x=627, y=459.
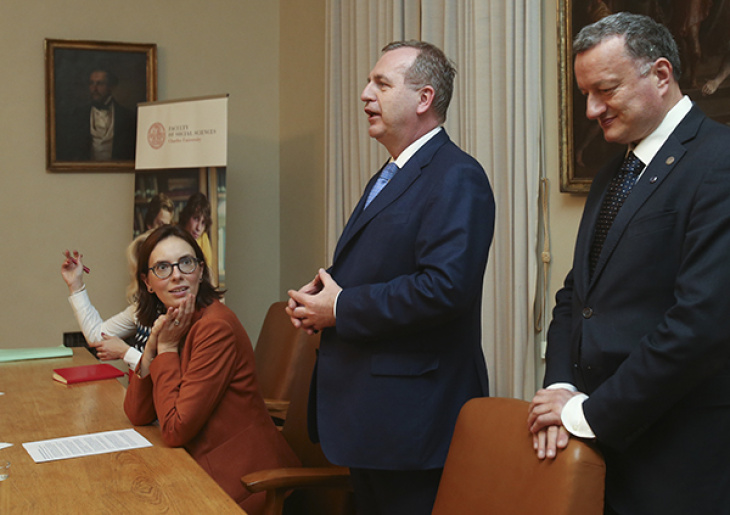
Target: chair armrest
x=276, y=406
x=277, y=409
x=297, y=477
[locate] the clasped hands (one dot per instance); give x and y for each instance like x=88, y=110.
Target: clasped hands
x=167, y=332
x=312, y=307
x=544, y=421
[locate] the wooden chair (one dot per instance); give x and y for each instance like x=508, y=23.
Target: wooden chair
x=321, y=487
x=491, y=468
x=278, y=351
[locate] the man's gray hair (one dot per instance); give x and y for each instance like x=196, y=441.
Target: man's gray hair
x=645, y=40
x=430, y=68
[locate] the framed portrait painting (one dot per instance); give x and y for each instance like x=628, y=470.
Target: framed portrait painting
x=92, y=92
x=701, y=30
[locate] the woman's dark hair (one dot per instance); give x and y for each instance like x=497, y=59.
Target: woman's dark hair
x=197, y=205
x=149, y=306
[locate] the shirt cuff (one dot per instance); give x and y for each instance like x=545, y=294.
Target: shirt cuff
x=334, y=307
x=79, y=298
x=83, y=288
x=565, y=386
x=574, y=419
x=132, y=357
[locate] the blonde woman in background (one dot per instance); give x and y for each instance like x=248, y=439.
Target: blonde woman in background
x=107, y=336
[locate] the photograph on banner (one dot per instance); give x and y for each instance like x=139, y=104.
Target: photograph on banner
x=194, y=198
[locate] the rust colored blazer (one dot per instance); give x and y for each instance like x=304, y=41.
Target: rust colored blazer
x=206, y=399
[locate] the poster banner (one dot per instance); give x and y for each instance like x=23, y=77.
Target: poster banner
x=194, y=198
x=182, y=133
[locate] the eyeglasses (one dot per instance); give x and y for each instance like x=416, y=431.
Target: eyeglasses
x=186, y=265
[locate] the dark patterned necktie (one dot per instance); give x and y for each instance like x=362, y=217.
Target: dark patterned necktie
x=618, y=191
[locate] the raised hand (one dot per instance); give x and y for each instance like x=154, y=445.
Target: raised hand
x=72, y=270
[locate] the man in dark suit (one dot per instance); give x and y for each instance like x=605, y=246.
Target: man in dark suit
x=400, y=308
x=101, y=131
x=638, y=348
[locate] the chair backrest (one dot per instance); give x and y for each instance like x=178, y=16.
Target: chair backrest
x=492, y=468
x=318, y=486
x=295, y=426
x=278, y=350
x=322, y=501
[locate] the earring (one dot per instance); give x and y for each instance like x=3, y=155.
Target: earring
x=150, y=290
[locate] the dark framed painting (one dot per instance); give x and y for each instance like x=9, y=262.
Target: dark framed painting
x=702, y=31
x=92, y=92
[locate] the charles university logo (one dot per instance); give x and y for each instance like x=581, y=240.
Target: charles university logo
x=156, y=135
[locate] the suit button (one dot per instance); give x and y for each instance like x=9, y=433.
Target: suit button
x=587, y=312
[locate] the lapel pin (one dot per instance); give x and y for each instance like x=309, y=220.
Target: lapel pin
x=653, y=179
x=669, y=160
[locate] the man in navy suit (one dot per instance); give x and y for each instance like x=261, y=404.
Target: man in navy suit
x=400, y=308
x=639, y=346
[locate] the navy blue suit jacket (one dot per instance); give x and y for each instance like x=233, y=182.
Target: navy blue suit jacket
x=648, y=336
x=406, y=351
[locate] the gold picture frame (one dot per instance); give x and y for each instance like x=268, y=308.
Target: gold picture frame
x=80, y=74
x=576, y=175
x=705, y=75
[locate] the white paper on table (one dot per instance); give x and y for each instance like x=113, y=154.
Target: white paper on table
x=85, y=445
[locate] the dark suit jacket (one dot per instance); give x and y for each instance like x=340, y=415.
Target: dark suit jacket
x=207, y=400
x=406, y=352
x=648, y=337
x=74, y=136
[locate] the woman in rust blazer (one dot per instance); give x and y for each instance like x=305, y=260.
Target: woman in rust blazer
x=197, y=374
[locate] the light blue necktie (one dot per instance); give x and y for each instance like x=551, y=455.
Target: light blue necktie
x=385, y=175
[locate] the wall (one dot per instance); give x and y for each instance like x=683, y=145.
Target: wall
x=219, y=46
x=274, y=71
x=302, y=131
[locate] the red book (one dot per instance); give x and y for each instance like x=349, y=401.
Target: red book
x=83, y=373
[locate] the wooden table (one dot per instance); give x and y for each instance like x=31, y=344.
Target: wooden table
x=156, y=479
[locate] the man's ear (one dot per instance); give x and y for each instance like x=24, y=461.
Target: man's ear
x=425, y=99
x=663, y=72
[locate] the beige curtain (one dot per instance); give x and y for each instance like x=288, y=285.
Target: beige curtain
x=356, y=31
x=495, y=115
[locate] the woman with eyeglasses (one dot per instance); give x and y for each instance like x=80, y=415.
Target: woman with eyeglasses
x=197, y=374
